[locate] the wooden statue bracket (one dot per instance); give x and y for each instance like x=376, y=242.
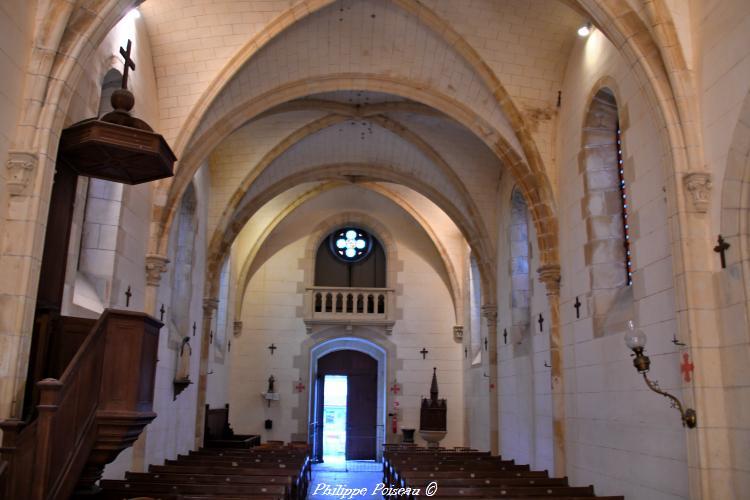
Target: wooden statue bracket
x=178, y=386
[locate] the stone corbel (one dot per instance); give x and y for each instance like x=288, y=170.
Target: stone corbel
x=237, y=329
x=21, y=166
x=698, y=185
x=458, y=332
x=156, y=265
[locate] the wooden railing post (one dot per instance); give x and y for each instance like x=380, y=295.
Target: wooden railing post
x=49, y=398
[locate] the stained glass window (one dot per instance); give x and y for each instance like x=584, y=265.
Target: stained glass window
x=350, y=244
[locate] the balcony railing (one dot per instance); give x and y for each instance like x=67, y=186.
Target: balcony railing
x=325, y=306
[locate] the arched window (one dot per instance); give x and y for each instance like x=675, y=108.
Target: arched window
x=184, y=260
x=607, y=253
x=350, y=257
x=97, y=221
x=520, y=283
x=475, y=311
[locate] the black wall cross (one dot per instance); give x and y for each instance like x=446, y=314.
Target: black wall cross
x=162, y=311
x=505, y=335
x=272, y=348
x=128, y=294
x=577, y=305
x=721, y=249
x=485, y=343
x=541, y=322
x=211, y=337
x=424, y=352
x=466, y=352
x=193, y=328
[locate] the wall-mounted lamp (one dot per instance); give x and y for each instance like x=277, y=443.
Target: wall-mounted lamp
x=585, y=30
x=636, y=341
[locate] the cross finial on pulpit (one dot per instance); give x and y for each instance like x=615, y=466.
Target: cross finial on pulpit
x=129, y=64
x=541, y=322
x=424, y=352
x=577, y=305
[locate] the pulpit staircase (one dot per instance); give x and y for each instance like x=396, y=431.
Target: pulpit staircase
x=95, y=409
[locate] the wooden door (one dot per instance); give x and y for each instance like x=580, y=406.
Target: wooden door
x=361, y=407
x=361, y=371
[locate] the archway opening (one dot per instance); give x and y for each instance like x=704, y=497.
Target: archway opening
x=355, y=407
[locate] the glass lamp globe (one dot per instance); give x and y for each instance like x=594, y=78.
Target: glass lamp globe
x=634, y=339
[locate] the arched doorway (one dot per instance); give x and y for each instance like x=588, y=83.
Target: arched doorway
x=357, y=374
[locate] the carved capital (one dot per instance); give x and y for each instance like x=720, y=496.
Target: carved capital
x=458, y=332
x=698, y=186
x=237, y=329
x=21, y=166
x=156, y=265
x=489, y=311
x=550, y=276
x=209, y=306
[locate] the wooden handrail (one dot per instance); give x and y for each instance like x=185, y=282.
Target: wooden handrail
x=89, y=415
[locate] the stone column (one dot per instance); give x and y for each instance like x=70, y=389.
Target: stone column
x=550, y=275
x=156, y=265
x=489, y=311
x=209, y=309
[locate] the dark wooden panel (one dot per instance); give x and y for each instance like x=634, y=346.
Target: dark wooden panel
x=368, y=273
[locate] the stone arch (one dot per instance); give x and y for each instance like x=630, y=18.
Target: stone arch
x=344, y=173
x=248, y=270
x=606, y=249
x=535, y=184
x=336, y=339
x=325, y=122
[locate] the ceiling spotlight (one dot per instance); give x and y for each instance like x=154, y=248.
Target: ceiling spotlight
x=585, y=30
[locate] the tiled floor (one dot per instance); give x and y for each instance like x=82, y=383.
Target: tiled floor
x=360, y=478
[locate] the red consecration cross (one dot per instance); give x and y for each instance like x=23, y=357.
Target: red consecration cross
x=686, y=367
x=299, y=386
x=395, y=388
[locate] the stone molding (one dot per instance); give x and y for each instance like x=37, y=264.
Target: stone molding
x=698, y=185
x=21, y=166
x=156, y=265
x=550, y=275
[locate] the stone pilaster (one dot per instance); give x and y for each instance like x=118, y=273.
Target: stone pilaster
x=156, y=265
x=549, y=275
x=489, y=312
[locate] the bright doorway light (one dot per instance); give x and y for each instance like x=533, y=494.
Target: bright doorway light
x=334, y=419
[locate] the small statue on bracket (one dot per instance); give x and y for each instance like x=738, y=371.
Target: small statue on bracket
x=271, y=382
x=183, y=361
